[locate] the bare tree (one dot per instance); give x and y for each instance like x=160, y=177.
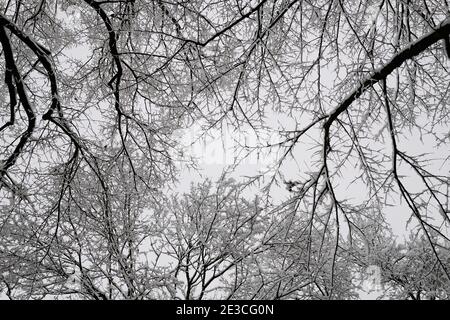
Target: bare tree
x=412, y=271
x=207, y=237
x=94, y=91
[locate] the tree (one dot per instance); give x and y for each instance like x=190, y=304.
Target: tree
x=412, y=271
x=94, y=92
x=207, y=238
